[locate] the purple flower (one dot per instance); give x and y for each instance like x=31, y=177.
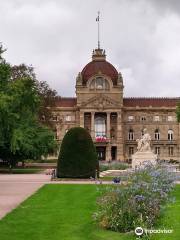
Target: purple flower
x=139, y=198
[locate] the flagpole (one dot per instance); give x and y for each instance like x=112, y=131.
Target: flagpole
x=98, y=31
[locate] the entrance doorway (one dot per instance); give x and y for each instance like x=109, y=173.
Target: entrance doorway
x=114, y=153
x=101, y=152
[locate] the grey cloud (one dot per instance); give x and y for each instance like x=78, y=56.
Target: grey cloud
x=166, y=5
x=141, y=39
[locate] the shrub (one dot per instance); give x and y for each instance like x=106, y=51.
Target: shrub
x=139, y=203
x=77, y=158
x=119, y=166
x=103, y=167
x=114, y=166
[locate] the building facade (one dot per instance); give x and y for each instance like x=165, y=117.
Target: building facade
x=113, y=121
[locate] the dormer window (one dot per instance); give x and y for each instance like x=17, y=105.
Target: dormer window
x=99, y=83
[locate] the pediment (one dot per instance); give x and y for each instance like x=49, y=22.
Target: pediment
x=100, y=102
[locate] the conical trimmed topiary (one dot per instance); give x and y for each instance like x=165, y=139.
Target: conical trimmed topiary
x=77, y=157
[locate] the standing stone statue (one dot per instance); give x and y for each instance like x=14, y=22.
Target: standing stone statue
x=144, y=154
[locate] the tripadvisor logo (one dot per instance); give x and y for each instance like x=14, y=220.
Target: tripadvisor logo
x=139, y=231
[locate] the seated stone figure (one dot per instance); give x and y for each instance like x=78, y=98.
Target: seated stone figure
x=144, y=142
x=144, y=154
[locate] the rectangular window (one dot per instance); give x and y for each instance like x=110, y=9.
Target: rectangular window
x=156, y=118
x=170, y=118
x=131, y=151
x=157, y=150
x=54, y=118
x=130, y=118
x=68, y=118
x=171, y=151
x=100, y=127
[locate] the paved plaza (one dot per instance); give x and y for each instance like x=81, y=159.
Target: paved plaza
x=15, y=188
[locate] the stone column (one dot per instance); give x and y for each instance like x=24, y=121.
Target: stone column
x=81, y=119
x=92, y=125
x=120, y=139
x=108, y=126
x=108, y=152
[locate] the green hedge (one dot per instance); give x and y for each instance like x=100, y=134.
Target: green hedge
x=77, y=157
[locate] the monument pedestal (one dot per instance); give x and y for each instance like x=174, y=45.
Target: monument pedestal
x=140, y=159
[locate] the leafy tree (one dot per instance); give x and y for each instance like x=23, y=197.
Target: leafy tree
x=1, y=51
x=77, y=157
x=178, y=112
x=5, y=70
x=22, y=136
x=47, y=97
x=46, y=94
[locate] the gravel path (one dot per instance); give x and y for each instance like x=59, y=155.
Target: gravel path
x=15, y=188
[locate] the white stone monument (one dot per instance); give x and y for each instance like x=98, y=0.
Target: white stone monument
x=144, y=154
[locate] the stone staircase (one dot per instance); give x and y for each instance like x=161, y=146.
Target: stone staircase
x=113, y=173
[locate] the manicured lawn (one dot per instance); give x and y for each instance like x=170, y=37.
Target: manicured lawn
x=20, y=170
x=171, y=219
x=64, y=212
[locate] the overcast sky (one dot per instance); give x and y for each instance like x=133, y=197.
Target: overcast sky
x=141, y=39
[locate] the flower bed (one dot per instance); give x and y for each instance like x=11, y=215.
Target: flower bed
x=101, y=139
x=139, y=203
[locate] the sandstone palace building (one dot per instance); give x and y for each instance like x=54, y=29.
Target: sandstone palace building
x=116, y=122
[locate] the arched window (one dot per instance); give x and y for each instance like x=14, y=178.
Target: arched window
x=99, y=83
x=100, y=127
x=157, y=134
x=131, y=134
x=170, y=134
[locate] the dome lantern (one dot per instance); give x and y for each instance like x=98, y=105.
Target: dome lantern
x=99, y=55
